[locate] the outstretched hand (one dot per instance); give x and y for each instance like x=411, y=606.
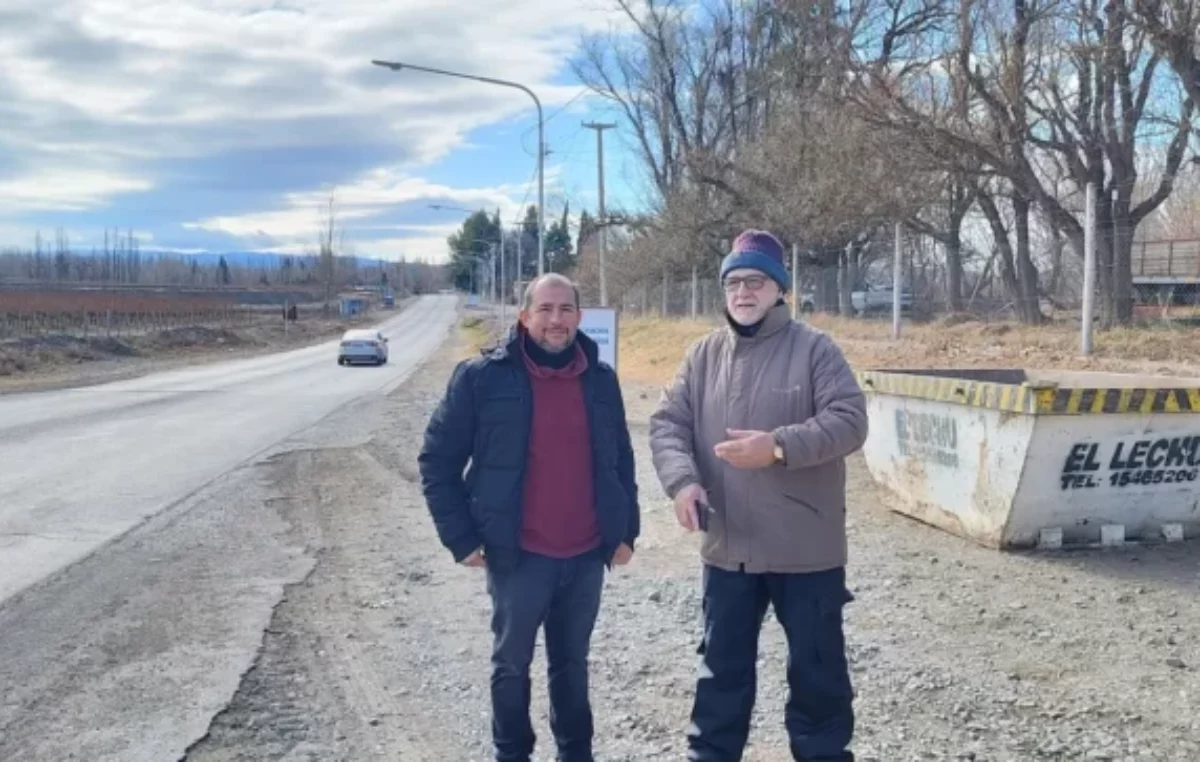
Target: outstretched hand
x=747, y=449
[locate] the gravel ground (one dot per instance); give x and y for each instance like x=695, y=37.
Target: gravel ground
x=958, y=652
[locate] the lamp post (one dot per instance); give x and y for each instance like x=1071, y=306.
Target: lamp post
x=503, y=268
x=491, y=260
x=541, y=157
x=478, y=261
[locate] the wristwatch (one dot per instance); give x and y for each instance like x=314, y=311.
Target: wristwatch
x=779, y=458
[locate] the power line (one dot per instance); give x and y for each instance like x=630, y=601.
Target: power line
x=560, y=109
x=545, y=121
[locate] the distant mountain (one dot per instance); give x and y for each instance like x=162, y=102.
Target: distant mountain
x=255, y=260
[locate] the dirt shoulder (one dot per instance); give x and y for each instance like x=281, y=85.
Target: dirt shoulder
x=958, y=652
x=59, y=361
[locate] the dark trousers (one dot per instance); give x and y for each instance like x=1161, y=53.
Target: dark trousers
x=819, y=715
x=563, y=596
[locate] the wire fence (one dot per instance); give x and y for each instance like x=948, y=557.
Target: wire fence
x=1164, y=281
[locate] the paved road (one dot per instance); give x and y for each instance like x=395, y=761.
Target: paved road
x=80, y=467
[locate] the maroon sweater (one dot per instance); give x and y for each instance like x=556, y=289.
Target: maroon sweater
x=559, y=515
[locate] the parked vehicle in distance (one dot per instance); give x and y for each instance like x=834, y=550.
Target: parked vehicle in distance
x=361, y=345
x=878, y=299
x=1166, y=271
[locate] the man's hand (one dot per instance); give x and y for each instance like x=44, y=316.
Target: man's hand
x=685, y=506
x=623, y=555
x=475, y=560
x=747, y=449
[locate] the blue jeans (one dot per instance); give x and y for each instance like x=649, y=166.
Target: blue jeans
x=819, y=715
x=563, y=596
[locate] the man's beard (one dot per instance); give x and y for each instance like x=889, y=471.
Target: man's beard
x=553, y=348
x=747, y=317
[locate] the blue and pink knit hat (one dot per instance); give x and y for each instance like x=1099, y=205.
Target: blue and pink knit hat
x=758, y=250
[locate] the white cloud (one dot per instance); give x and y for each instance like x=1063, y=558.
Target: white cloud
x=294, y=227
x=427, y=248
x=65, y=189
x=128, y=82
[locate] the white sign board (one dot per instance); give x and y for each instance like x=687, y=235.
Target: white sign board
x=600, y=325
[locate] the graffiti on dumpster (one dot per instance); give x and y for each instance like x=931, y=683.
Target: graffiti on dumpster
x=1142, y=462
x=929, y=437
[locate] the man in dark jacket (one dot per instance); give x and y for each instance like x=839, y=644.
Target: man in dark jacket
x=548, y=500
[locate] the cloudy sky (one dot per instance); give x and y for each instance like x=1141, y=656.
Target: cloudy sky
x=218, y=125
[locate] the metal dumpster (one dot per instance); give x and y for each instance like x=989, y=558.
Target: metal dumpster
x=1017, y=458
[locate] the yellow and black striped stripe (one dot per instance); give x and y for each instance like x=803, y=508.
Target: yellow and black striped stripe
x=1032, y=399
x=1135, y=400
x=986, y=394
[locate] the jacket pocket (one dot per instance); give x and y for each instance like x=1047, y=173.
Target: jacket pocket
x=802, y=503
x=792, y=404
x=500, y=408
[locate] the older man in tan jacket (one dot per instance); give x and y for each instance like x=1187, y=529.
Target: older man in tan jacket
x=750, y=442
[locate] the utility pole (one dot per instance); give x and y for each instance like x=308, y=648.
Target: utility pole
x=897, y=280
x=502, y=293
x=1089, y=270
x=520, y=289
x=600, y=128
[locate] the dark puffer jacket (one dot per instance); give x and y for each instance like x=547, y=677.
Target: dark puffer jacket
x=483, y=425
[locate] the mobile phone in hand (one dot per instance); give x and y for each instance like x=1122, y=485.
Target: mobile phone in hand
x=702, y=511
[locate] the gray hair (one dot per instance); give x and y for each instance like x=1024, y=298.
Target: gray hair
x=557, y=279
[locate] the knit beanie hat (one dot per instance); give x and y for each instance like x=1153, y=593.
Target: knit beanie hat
x=758, y=250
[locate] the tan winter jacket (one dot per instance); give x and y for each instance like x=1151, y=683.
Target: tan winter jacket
x=788, y=379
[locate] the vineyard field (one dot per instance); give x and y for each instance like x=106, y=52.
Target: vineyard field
x=39, y=313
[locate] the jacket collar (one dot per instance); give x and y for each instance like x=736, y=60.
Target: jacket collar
x=510, y=349
x=774, y=321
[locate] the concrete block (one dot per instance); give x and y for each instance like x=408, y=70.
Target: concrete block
x=1173, y=532
x=1050, y=538
x=1112, y=535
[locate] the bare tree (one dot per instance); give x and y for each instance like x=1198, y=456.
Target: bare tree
x=328, y=234
x=1055, y=89
x=1174, y=30
x=943, y=220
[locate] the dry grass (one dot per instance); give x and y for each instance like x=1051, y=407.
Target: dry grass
x=650, y=349
x=475, y=332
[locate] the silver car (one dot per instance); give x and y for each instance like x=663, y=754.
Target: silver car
x=363, y=345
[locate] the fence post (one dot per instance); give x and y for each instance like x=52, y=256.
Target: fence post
x=1089, y=269
x=666, y=295
x=897, y=280
x=795, y=281
x=695, y=290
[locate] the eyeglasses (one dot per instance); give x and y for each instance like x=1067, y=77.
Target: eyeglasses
x=752, y=282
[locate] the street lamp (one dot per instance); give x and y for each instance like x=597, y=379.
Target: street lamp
x=483, y=265
x=520, y=236
x=498, y=288
x=541, y=163
x=503, y=269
